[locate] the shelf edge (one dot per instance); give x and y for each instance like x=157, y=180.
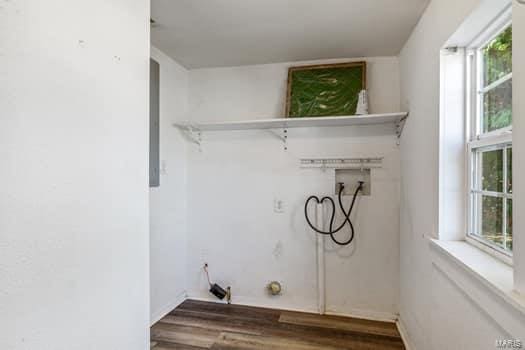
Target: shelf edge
x=278, y=123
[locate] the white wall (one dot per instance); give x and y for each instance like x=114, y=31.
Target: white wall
x=258, y=92
x=435, y=309
x=234, y=180
x=74, y=178
x=168, y=202
x=457, y=322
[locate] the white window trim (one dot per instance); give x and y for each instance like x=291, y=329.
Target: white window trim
x=475, y=137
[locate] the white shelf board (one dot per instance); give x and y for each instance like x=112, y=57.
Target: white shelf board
x=396, y=119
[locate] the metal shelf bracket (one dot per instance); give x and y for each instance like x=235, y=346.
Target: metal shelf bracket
x=400, y=125
x=192, y=134
x=282, y=136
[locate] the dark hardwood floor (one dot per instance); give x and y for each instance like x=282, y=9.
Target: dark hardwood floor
x=195, y=325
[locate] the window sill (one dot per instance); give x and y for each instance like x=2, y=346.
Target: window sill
x=490, y=250
x=495, y=276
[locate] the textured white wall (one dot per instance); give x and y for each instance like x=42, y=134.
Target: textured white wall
x=235, y=179
x=74, y=178
x=433, y=306
x=168, y=202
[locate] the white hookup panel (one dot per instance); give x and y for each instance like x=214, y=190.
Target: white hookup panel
x=351, y=178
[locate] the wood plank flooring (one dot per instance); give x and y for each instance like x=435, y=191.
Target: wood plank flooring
x=197, y=325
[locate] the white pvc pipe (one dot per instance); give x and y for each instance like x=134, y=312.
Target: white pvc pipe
x=319, y=222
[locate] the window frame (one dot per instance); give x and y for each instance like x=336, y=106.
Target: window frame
x=477, y=140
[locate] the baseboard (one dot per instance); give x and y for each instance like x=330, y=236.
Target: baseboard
x=367, y=315
x=250, y=302
x=404, y=335
x=156, y=316
x=357, y=313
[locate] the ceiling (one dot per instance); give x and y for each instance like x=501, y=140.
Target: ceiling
x=215, y=33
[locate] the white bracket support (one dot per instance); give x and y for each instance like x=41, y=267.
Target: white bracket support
x=191, y=133
x=400, y=125
x=282, y=136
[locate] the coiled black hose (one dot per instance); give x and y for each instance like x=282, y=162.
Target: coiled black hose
x=331, y=231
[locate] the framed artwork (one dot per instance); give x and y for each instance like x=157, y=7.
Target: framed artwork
x=324, y=90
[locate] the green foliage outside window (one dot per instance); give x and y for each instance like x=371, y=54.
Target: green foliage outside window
x=496, y=114
x=497, y=63
x=492, y=179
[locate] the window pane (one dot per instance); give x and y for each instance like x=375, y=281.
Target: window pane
x=497, y=57
x=509, y=170
x=492, y=171
x=497, y=107
x=492, y=219
x=509, y=225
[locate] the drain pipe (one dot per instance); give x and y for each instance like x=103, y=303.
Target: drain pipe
x=321, y=301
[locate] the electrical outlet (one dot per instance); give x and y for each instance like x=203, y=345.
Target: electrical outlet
x=278, y=206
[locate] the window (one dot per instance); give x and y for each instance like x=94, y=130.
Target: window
x=490, y=139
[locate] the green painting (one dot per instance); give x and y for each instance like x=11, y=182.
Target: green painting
x=325, y=90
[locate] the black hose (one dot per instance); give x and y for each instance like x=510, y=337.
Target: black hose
x=346, y=220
